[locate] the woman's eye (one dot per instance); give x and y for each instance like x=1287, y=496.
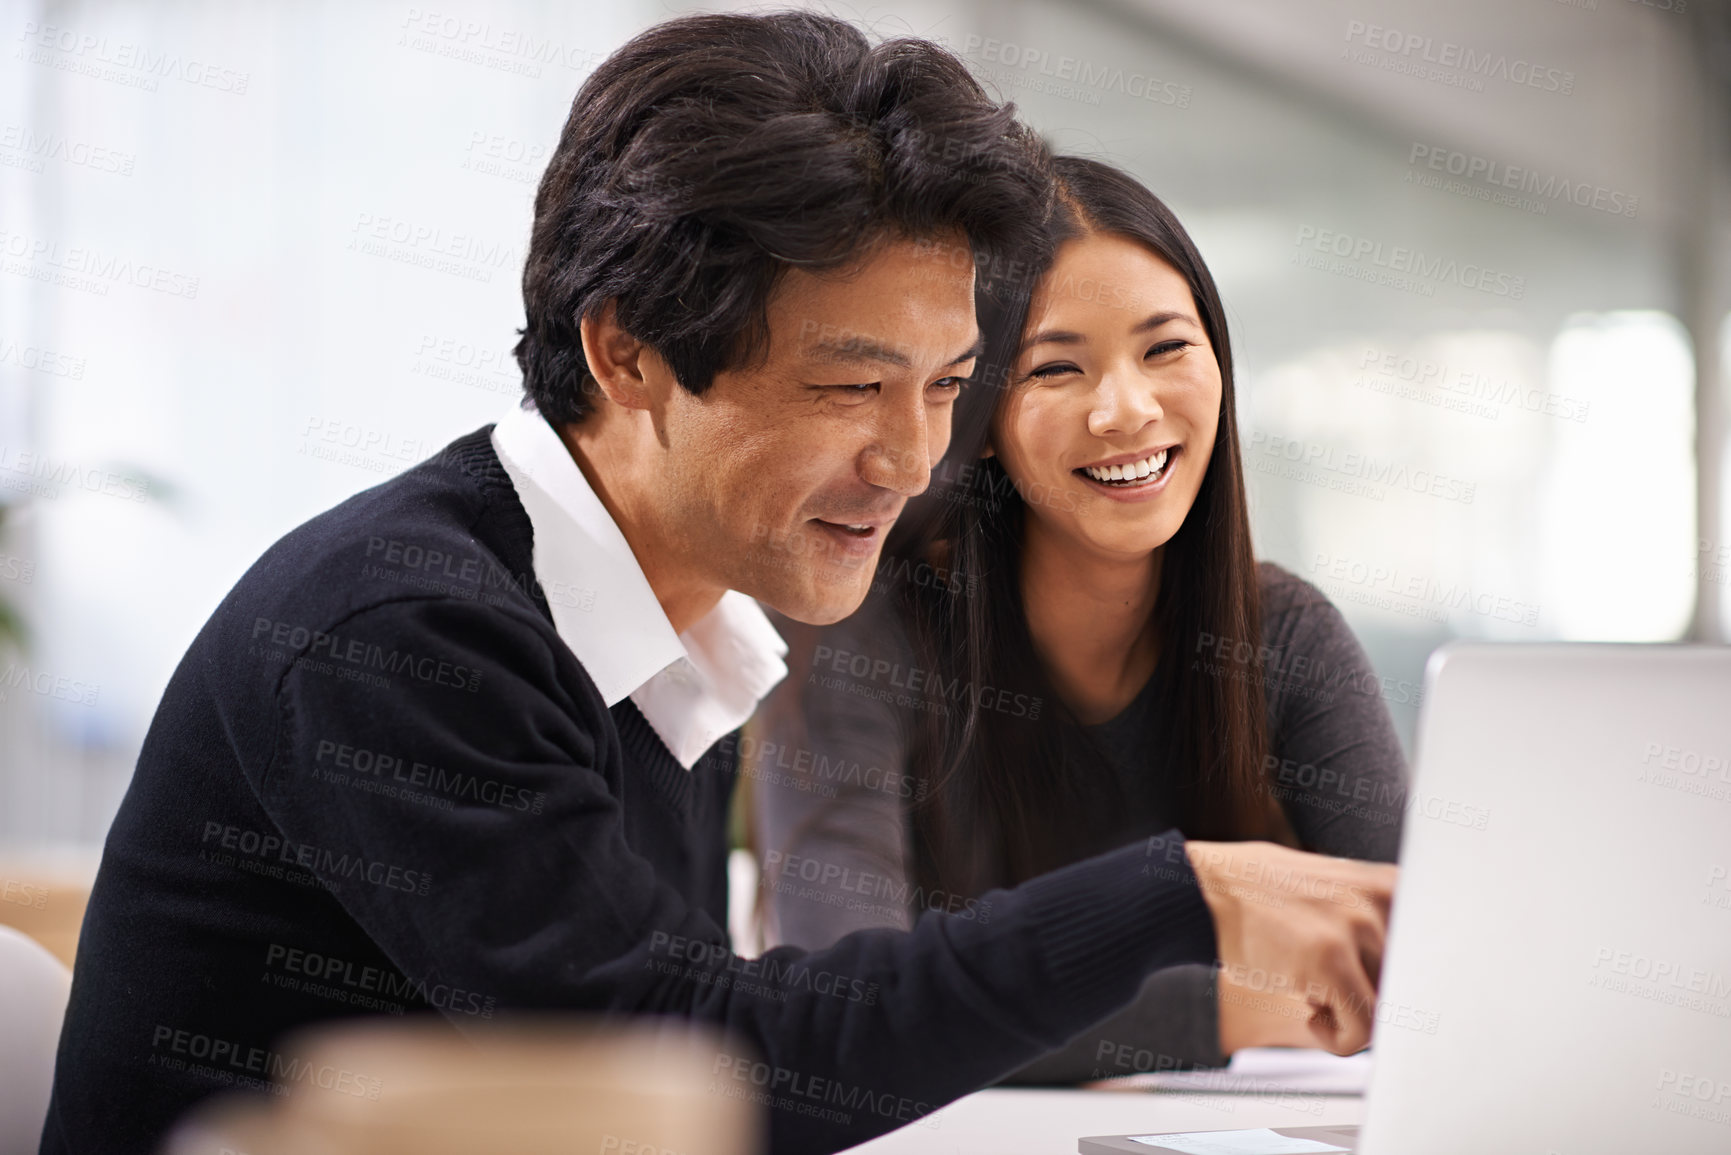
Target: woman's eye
x=1054, y=370
x=1165, y=347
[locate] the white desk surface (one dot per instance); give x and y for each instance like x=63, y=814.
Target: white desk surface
x=1040, y=1122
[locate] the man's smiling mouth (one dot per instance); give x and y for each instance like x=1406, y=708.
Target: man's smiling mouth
x=852, y=539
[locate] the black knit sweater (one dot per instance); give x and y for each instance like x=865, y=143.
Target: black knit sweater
x=379, y=782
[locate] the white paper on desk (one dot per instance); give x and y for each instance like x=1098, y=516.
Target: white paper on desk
x=1258, y=1141
x=1267, y=1070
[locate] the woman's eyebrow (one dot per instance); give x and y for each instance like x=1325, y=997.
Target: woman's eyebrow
x=1053, y=337
x=1159, y=319
x=1066, y=337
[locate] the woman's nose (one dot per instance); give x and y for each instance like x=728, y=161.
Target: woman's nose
x=1124, y=402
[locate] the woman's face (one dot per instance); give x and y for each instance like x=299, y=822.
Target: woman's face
x=1114, y=400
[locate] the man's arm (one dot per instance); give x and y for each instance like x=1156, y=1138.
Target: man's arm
x=553, y=909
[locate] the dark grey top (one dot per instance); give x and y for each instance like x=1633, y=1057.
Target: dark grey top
x=832, y=786
x=1122, y=738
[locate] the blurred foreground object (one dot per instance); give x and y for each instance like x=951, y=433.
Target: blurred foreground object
x=34, y=986
x=382, y=1087
x=43, y=892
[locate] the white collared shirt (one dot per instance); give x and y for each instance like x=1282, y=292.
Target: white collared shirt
x=693, y=687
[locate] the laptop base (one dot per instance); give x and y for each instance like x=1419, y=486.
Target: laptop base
x=1260, y=1141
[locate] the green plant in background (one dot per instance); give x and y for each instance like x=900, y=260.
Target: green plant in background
x=14, y=633
x=11, y=623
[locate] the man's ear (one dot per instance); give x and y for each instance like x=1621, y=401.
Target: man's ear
x=617, y=360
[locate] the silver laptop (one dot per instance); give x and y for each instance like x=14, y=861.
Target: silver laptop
x=1558, y=972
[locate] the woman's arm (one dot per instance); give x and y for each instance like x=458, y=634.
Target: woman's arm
x=1337, y=768
x=833, y=851
x=830, y=785
x=834, y=859
x=838, y=863
x=1336, y=764
x=1172, y=1026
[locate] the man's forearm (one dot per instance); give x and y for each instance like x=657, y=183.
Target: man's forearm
x=951, y=1006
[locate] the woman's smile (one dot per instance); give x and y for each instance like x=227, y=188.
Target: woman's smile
x=1132, y=477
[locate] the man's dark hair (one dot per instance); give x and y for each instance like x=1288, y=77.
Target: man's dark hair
x=712, y=153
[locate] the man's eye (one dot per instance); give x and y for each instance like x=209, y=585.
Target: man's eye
x=946, y=383
x=851, y=390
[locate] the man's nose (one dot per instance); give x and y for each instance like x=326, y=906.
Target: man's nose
x=898, y=457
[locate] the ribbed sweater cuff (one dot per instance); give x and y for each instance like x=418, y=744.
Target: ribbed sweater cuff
x=1129, y=912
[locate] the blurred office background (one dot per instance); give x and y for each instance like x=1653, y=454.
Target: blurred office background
x=260, y=256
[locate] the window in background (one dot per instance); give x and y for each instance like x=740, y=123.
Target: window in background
x=1618, y=502
x=1421, y=392
x=282, y=276
x=354, y=217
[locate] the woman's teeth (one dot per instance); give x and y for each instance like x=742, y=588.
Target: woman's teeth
x=1128, y=474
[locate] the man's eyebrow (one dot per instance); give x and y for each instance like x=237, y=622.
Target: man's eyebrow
x=1066, y=337
x=974, y=351
x=856, y=349
x=867, y=349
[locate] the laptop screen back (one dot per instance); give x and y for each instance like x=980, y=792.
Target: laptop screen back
x=1558, y=975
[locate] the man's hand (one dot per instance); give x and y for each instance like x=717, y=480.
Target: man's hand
x=1261, y=1018
x=1299, y=934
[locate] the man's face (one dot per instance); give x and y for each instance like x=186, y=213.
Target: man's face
x=785, y=476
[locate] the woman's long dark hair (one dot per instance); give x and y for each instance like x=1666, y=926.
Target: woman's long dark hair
x=1004, y=799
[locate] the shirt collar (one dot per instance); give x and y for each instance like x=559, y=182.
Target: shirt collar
x=693, y=687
